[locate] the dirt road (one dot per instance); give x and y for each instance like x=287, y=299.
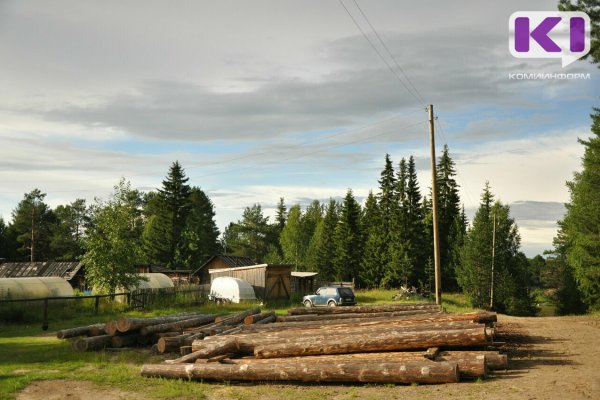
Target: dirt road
x=550, y=358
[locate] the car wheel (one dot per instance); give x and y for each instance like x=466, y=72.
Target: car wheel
x=331, y=303
x=307, y=303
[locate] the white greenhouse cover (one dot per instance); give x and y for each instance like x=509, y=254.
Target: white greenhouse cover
x=232, y=289
x=34, y=288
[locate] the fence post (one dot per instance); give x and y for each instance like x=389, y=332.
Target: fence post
x=96, y=304
x=45, y=321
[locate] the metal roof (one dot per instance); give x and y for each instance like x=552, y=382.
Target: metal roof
x=65, y=270
x=302, y=274
x=231, y=261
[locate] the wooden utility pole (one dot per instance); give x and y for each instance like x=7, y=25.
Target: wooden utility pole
x=436, y=234
x=32, y=230
x=493, y=260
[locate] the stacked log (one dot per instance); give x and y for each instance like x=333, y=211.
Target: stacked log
x=415, y=343
x=164, y=334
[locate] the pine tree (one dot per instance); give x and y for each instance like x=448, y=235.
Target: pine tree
x=66, y=236
x=294, y=240
x=581, y=224
x=32, y=215
x=348, y=239
x=251, y=236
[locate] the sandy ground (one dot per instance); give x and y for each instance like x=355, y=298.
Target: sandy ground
x=549, y=358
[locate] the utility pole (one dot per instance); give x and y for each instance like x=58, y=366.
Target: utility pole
x=32, y=230
x=493, y=259
x=436, y=234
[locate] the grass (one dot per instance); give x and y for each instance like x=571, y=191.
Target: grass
x=28, y=354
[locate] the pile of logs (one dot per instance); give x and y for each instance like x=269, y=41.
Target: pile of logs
x=395, y=343
x=167, y=333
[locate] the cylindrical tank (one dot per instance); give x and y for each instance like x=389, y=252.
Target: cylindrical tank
x=34, y=288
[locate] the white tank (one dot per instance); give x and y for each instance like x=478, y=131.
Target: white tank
x=232, y=289
x=34, y=288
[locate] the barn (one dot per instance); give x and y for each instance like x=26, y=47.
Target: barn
x=202, y=276
x=270, y=281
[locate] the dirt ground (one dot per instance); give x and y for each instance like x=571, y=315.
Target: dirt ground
x=549, y=358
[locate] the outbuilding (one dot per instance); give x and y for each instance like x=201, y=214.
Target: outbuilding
x=34, y=288
x=270, y=281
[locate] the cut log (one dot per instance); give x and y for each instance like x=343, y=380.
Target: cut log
x=408, y=372
x=88, y=330
x=185, y=350
x=362, y=309
x=237, y=318
x=110, y=328
x=431, y=353
x=480, y=317
x=267, y=320
x=386, y=341
x=179, y=325
x=470, y=365
x=126, y=324
x=253, y=319
x=97, y=330
x=92, y=343
x=209, y=350
x=494, y=360
x=124, y=340
x=170, y=344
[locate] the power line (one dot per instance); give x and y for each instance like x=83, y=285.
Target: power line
x=392, y=70
x=390, y=54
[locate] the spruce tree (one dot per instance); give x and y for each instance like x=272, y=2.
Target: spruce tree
x=581, y=224
x=325, y=243
x=374, y=257
x=415, y=227
x=348, y=240
x=293, y=239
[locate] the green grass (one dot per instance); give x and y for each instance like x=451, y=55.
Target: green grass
x=28, y=354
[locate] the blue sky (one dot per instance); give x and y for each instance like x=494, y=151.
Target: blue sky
x=266, y=99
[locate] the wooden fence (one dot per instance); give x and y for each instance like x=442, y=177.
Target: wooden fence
x=25, y=310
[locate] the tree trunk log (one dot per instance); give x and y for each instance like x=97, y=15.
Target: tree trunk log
x=179, y=325
x=209, y=350
x=110, y=328
x=89, y=330
x=124, y=340
x=493, y=359
x=386, y=341
x=408, y=372
x=92, y=343
x=362, y=309
x=470, y=366
x=253, y=319
x=480, y=317
x=126, y=324
x=237, y=318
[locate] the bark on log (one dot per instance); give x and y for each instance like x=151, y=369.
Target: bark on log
x=387, y=341
x=494, y=360
x=97, y=330
x=92, y=343
x=480, y=317
x=88, y=330
x=408, y=372
x=209, y=350
x=470, y=365
x=253, y=319
x=118, y=341
x=126, y=324
x=171, y=344
x=179, y=325
x=267, y=320
x=362, y=309
x=237, y=318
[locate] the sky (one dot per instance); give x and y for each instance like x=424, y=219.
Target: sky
x=266, y=99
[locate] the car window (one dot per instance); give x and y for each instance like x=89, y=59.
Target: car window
x=346, y=292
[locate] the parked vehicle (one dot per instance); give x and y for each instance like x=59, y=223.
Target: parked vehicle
x=330, y=296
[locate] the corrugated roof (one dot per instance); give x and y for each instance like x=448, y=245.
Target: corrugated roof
x=302, y=274
x=65, y=270
x=231, y=261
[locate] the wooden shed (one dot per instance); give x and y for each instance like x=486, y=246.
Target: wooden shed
x=304, y=282
x=202, y=276
x=270, y=282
